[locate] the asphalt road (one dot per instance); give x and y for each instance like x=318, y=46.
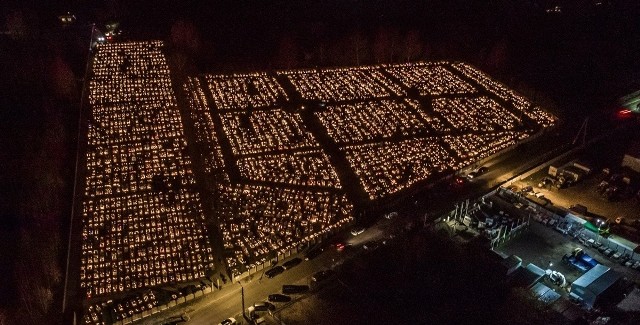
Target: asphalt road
x=227, y=302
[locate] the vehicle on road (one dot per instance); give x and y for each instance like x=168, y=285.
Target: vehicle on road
x=277, y=297
x=173, y=320
x=478, y=172
x=374, y=244
x=342, y=246
x=274, y=271
x=457, y=182
x=291, y=263
x=228, y=321
x=322, y=275
x=293, y=288
x=357, y=231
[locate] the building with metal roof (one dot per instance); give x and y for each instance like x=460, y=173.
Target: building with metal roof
x=594, y=284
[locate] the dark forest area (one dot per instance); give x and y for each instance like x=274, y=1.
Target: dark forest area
x=583, y=59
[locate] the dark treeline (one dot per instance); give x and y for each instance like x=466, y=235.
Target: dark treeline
x=40, y=67
x=584, y=57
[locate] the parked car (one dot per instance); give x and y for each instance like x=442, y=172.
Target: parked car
x=313, y=253
x=608, y=252
x=293, y=288
x=372, y=245
x=322, y=275
x=526, y=189
x=624, y=258
x=291, y=263
x=277, y=297
x=264, y=306
x=546, y=181
x=596, y=245
x=274, y=271
x=228, y=321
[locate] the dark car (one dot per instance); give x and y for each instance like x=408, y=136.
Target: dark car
x=526, y=189
x=478, y=172
x=291, y=263
x=341, y=246
x=276, y=297
x=274, y=271
x=322, y=275
x=264, y=306
x=372, y=245
x=313, y=253
x=292, y=288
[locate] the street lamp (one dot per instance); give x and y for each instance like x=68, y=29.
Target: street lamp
x=244, y=315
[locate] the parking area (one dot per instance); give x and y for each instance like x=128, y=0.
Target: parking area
x=545, y=247
x=557, y=233
x=586, y=193
x=563, y=245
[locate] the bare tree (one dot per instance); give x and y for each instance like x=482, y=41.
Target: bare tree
x=497, y=57
x=382, y=46
x=4, y=317
x=288, y=52
x=413, y=45
x=185, y=37
x=62, y=78
x=359, y=44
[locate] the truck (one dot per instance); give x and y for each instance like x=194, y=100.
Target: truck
x=573, y=173
x=580, y=260
x=566, y=175
x=583, y=166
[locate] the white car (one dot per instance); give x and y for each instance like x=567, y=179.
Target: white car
x=357, y=231
x=229, y=321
